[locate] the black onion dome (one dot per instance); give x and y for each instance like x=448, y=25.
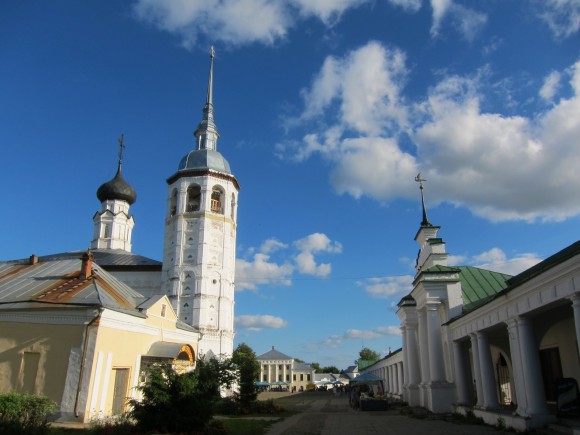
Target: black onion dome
x=117, y=188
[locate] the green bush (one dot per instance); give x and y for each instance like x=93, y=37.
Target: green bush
x=24, y=413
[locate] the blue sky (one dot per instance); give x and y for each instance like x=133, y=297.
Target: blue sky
x=326, y=111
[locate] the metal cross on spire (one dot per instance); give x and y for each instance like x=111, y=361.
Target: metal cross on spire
x=425, y=222
x=121, y=147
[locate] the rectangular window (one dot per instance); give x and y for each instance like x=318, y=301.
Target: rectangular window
x=294, y=378
x=29, y=371
x=287, y=366
x=280, y=377
x=287, y=378
x=301, y=377
x=120, y=390
x=280, y=367
x=308, y=377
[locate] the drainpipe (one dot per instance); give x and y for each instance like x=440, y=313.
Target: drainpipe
x=84, y=355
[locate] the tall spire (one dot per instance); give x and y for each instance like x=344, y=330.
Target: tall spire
x=206, y=132
x=425, y=222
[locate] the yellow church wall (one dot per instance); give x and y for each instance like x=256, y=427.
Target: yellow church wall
x=120, y=342
x=35, y=356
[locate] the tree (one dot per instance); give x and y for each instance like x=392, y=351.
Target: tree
x=316, y=367
x=329, y=369
x=368, y=354
x=181, y=403
x=248, y=368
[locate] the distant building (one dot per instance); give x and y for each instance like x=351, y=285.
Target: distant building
x=276, y=367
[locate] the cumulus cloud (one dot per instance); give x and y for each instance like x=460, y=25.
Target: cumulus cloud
x=461, y=149
x=495, y=259
x=310, y=245
x=388, y=287
x=259, y=271
x=409, y=5
x=561, y=16
x=550, y=86
x=366, y=84
x=299, y=256
x=234, y=22
x=259, y=322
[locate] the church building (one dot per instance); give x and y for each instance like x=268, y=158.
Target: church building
x=83, y=327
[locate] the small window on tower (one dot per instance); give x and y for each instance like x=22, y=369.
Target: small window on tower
x=173, y=203
x=216, y=201
x=163, y=309
x=233, y=207
x=193, y=198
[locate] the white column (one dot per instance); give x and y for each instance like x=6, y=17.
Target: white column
x=476, y=371
x=405, y=356
x=400, y=377
x=531, y=368
x=518, y=375
x=461, y=381
x=412, y=361
x=576, y=308
x=423, y=347
x=436, y=367
x=486, y=370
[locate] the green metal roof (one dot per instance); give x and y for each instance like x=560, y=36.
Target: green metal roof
x=479, y=285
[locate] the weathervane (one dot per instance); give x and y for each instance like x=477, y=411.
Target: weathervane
x=212, y=52
x=425, y=222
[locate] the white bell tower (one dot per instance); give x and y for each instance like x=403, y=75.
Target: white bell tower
x=199, y=249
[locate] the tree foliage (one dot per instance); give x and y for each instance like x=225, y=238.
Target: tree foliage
x=181, y=403
x=25, y=413
x=368, y=354
x=248, y=369
x=329, y=369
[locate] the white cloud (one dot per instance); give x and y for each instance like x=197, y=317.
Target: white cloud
x=409, y=5
x=495, y=259
x=366, y=83
x=562, y=16
x=308, y=246
x=550, y=86
x=501, y=167
x=259, y=322
x=260, y=271
x=234, y=22
x=466, y=21
x=389, y=286
x=328, y=11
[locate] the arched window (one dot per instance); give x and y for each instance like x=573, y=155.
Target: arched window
x=217, y=200
x=173, y=203
x=193, y=198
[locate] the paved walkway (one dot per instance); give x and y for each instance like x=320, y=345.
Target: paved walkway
x=327, y=414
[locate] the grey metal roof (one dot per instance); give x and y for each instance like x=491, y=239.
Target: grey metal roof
x=204, y=159
x=58, y=283
x=274, y=354
x=108, y=259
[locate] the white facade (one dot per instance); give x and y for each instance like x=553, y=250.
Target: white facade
x=499, y=356
x=199, y=258
x=390, y=370
x=113, y=226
